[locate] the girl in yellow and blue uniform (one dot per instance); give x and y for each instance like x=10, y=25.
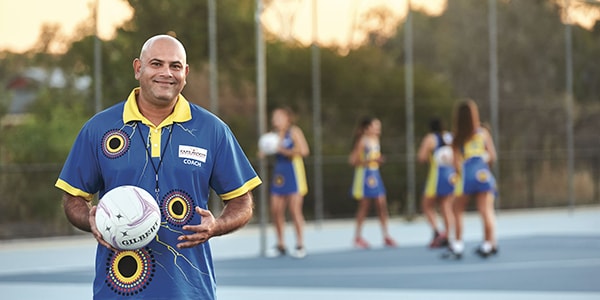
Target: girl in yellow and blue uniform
x=436, y=150
x=288, y=186
x=367, y=185
x=475, y=176
x=290, y=176
x=474, y=151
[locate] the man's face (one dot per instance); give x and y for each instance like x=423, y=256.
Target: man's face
x=161, y=71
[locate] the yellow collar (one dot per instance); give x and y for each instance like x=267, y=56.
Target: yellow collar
x=181, y=112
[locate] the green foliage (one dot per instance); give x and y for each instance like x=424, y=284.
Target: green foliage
x=365, y=82
x=47, y=134
x=5, y=98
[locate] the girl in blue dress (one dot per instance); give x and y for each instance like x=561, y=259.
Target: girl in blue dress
x=436, y=150
x=288, y=185
x=367, y=185
x=474, y=151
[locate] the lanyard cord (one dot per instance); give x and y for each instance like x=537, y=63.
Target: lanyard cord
x=162, y=155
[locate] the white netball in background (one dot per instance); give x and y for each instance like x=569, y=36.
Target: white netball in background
x=128, y=217
x=268, y=143
x=444, y=156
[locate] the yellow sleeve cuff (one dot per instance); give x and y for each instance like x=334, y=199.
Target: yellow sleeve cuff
x=248, y=186
x=67, y=188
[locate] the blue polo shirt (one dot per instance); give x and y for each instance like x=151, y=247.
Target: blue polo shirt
x=178, y=161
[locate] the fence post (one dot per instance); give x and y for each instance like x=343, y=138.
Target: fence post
x=530, y=181
x=596, y=177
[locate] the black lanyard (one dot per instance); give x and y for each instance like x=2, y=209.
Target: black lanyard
x=162, y=154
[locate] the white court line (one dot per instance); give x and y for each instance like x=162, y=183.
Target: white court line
x=29, y=291
x=252, y=293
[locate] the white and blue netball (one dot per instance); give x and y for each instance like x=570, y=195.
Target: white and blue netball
x=128, y=217
x=444, y=156
x=268, y=143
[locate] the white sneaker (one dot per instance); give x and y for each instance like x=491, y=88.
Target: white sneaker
x=300, y=252
x=275, y=252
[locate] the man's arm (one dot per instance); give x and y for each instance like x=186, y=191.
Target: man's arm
x=77, y=210
x=236, y=213
x=82, y=215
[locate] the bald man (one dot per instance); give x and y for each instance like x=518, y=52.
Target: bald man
x=175, y=150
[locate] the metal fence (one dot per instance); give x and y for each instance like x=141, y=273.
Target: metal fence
x=31, y=205
x=526, y=180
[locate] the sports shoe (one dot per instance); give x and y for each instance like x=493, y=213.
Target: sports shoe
x=276, y=251
x=451, y=253
x=299, y=252
x=389, y=242
x=485, y=254
x=439, y=240
x=361, y=243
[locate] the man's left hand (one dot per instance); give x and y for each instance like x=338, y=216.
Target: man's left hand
x=202, y=232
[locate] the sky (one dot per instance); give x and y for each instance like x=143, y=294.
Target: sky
x=337, y=20
x=20, y=25
x=21, y=20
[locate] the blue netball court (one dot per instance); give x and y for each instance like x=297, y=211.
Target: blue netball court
x=544, y=254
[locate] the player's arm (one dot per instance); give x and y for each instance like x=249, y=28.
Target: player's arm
x=490, y=148
x=425, y=148
x=457, y=159
x=236, y=214
x=300, y=144
x=354, y=158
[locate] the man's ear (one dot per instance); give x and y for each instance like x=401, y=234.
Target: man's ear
x=137, y=65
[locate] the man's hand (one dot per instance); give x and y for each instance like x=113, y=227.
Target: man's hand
x=95, y=231
x=82, y=215
x=236, y=213
x=202, y=232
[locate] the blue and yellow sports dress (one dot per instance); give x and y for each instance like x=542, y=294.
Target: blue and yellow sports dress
x=441, y=176
x=475, y=176
x=367, y=182
x=289, y=176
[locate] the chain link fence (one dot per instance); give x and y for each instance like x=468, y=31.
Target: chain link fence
x=31, y=206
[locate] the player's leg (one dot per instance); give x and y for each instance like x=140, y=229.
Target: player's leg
x=458, y=208
x=295, y=208
x=382, y=212
x=278, y=204
x=457, y=246
x=361, y=214
x=485, y=206
x=446, y=203
x=428, y=208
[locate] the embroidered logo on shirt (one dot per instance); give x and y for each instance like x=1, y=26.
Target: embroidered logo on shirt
x=194, y=153
x=115, y=143
x=177, y=207
x=129, y=272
